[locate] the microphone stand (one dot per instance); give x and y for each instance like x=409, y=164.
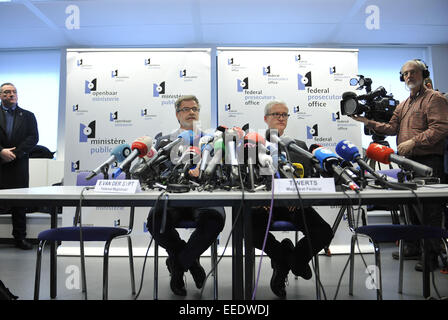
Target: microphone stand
x=105, y=171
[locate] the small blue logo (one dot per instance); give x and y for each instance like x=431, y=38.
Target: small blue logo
x=311, y=131
x=158, y=89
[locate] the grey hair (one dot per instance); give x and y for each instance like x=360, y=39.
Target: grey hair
x=421, y=65
x=186, y=98
x=6, y=84
x=268, y=107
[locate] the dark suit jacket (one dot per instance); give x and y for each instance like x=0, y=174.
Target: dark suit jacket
x=24, y=137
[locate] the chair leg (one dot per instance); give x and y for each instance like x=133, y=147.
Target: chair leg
x=83, y=272
x=352, y=264
x=296, y=240
x=379, y=288
x=317, y=275
x=156, y=269
x=400, y=275
x=106, y=269
x=131, y=264
x=214, y=254
x=38, y=268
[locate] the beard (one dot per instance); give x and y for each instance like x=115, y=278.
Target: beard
x=415, y=84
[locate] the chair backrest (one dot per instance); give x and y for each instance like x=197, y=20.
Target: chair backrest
x=81, y=178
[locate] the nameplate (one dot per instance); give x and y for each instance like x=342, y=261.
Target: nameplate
x=118, y=186
x=304, y=185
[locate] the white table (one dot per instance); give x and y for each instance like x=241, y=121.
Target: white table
x=69, y=196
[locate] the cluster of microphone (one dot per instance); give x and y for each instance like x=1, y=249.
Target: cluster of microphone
x=232, y=158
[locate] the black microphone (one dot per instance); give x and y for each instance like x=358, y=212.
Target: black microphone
x=330, y=163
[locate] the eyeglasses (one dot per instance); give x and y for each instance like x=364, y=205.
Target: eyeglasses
x=194, y=109
x=9, y=91
x=279, y=115
x=408, y=73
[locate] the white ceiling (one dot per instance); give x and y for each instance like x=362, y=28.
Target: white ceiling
x=110, y=23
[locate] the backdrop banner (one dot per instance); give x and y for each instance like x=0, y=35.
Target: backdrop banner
x=115, y=96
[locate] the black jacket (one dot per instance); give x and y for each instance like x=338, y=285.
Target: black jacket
x=24, y=137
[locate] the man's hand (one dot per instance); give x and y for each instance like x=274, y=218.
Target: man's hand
x=405, y=148
x=359, y=118
x=7, y=154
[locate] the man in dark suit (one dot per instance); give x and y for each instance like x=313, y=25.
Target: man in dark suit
x=184, y=255
x=284, y=255
x=18, y=135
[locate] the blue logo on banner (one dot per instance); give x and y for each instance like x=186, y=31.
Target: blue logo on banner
x=158, y=89
x=113, y=116
x=266, y=70
x=143, y=112
x=90, y=86
x=230, y=61
x=304, y=81
x=242, y=84
x=75, y=166
x=86, y=132
x=227, y=107
x=296, y=109
x=311, y=132
x=335, y=116
x=183, y=73
x=332, y=70
x=114, y=73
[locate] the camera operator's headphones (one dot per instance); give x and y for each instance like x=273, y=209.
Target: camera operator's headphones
x=422, y=65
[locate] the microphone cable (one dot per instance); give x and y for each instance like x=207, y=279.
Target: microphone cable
x=307, y=233
x=149, y=245
x=231, y=231
x=265, y=238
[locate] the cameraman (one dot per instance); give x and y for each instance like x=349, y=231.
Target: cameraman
x=421, y=125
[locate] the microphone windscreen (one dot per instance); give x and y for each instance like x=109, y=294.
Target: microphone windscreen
x=121, y=152
x=379, y=153
x=299, y=169
x=314, y=146
x=142, y=144
x=323, y=154
x=187, y=136
x=270, y=133
x=239, y=131
x=347, y=150
x=255, y=138
x=151, y=153
x=219, y=145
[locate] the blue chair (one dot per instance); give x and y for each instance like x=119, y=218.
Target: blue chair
x=390, y=233
x=73, y=233
x=188, y=224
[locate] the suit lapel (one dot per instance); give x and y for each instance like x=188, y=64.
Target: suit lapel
x=2, y=120
x=18, y=121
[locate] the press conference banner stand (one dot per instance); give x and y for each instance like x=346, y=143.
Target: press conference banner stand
x=114, y=96
x=310, y=81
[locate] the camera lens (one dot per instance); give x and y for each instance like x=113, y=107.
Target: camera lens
x=350, y=106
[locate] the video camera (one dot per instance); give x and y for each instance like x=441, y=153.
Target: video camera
x=376, y=105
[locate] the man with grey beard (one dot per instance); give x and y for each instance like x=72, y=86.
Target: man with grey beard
x=421, y=125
